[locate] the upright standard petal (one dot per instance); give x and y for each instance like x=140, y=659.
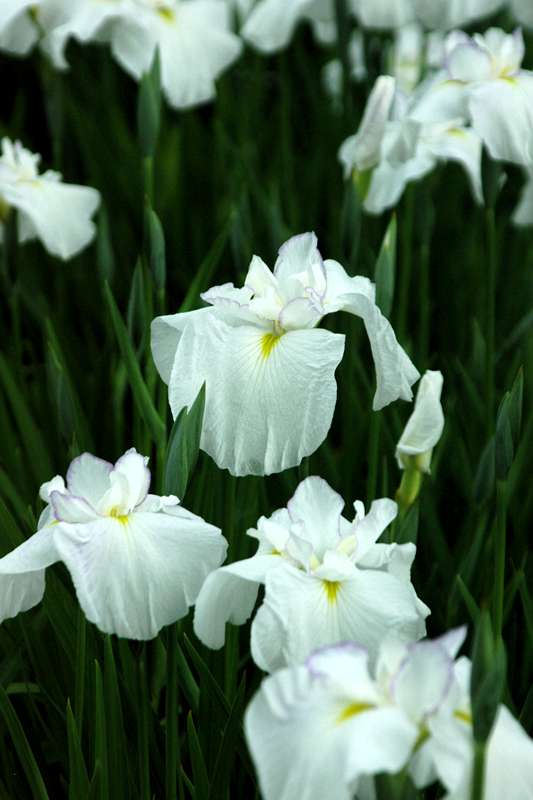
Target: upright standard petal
x=319, y=508
x=22, y=573
x=269, y=400
x=135, y=574
x=363, y=151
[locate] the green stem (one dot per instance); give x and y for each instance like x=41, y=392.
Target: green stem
x=79, y=688
x=478, y=774
x=490, y=333
x=172, y=744
x=373, y=456
x=406, y=263
x=500, y=549
x=143, y=730
x=409, y=488
x=425, y=303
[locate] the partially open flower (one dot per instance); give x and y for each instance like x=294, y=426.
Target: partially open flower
x=269, y=371
x=57, y=213
x=137, y=560
x=326, y=580
x=424, y=427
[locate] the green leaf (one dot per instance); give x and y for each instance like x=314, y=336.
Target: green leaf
x=183, y=447
x=101, y=771
x=116, y=737
x=206, y=269
x=149, y=109
x=485, y=477
x=220, y=782
x=487, y=681
x=78, y=786
x=201, y=781
x=22, y=747
x=140, y=391
x=385, y=273
x=104, y=247
x=157, y=248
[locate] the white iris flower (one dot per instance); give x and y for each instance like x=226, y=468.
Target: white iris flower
x=424, y=426
x=22, y=22
x=333, y=721
x=523, y=213
x=402, y=139
x=194, y=39
x=269, y=370
x=523, y=11
x=482, y=79
x=57, y=213
x=326, y=581
x=137, y=560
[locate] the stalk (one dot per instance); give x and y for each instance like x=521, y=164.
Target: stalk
x=478, y=775
x=490, y=356
x=171, y=742
x=500, y=549
x=373, y=456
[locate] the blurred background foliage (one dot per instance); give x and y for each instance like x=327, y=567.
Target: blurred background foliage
x=84, y=715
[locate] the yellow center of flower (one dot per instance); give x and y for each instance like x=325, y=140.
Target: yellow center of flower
x=167, y=14
x=352, y=710
x=122, y=518
x=268, y=343
x=464, y=716
x=331, y=588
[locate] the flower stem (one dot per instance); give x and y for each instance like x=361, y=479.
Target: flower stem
x=373, y=456
x=478, y=774
x=143, y=737
x=500, y=548
x=172, y=744
x=406, y=263
x=408, y=489
x=490, y=225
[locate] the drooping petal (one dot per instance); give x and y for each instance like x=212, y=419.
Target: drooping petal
x=384, y=13
x=271, y=23
x=134, y=576
x=58, y=213
x=319, y=507
x=86, y=22
x=228, y=595
x=18, y=32
x=395, y=373
x=523, y=11
x=315, y=613
x=389, y=181
x=269, y=401
x=166, y=332
x=304, y=740
x=502, y=114
x=448, y=14
x=22, y=573
x=523, y=213
x=462, y=145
